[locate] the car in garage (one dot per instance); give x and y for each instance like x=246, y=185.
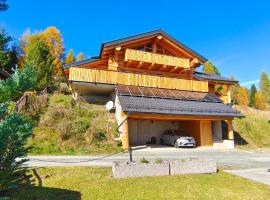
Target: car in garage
x=177, y=138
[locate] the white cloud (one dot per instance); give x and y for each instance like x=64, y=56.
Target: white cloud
x=250, y=83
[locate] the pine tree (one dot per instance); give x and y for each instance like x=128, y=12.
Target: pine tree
x=80, y=56
x=38, y=57
x=253, y=91
x=265, y=86
x=210, y=68
x=260, y=101
x=70, y=57
x=8, y=52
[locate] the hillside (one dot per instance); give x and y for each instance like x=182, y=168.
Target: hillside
x=66, y=127
x=253, y=130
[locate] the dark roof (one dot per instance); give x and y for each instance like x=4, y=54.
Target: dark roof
x=4, y=73
x=152, y=33
x=137, y=91
x=190, y=105
x=175, y=107
x=213, y=77
x=89, y=60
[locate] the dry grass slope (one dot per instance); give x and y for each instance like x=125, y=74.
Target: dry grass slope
x=254, y=129
x=67, y=127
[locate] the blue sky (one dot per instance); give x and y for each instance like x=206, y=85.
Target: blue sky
x=235, y=35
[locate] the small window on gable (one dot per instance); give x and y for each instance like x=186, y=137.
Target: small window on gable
x=149, y=48
x=160, y=50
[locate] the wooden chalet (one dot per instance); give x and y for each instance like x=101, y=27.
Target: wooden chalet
x=152, y=81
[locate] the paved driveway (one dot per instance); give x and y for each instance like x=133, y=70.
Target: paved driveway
x=253, y=165
x=226, y=159
x=261, y=175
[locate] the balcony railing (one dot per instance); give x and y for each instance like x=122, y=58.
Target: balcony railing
x=124, y=78
x=143, y=56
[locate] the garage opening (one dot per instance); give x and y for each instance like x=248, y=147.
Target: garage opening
x=142, y=131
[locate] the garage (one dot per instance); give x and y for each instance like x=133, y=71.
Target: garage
x=143, y=132
x=146, y=112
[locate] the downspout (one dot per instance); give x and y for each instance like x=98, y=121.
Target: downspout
x=117, y=129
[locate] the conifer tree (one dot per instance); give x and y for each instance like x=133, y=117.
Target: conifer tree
x=265, y=86
x=80, y=56
x=70, y=57
x=253, y=91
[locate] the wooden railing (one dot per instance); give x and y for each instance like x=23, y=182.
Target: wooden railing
x=116, y=77
x=22, y=102
x=143, y=56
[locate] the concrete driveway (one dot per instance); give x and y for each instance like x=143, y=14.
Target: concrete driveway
x=253, y=165
x=261, y=175
x=226, y=159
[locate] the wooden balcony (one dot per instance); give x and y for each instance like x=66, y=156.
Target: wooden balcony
x=153, y=58
x=116, y=77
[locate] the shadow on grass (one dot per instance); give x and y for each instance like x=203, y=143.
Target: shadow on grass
x=44, y=193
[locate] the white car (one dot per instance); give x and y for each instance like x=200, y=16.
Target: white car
x=172, y=137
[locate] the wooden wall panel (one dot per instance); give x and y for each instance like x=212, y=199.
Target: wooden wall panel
x=206, y=133
x=115, y=77
x=192, y=128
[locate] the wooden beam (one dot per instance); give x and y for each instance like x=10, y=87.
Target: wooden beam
x=151, y=66
x=193, y=62
x=181, y=70
x=118, y=48
x=174, y=117
x=230, y=129
x=139, y=65
x=128, y=63
x=162, y=68
x=174, y=69
x=159, y=37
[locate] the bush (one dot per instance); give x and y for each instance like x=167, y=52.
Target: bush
x=14, y=132
x=12, y=88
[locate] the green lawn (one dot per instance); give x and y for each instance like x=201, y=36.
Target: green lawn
x=96, y=183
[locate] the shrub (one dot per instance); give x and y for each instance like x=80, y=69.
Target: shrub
x=99, y=136
x=14, y=132
x=13, y=87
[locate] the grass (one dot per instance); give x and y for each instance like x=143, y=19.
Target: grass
x=96, y=183
x=69, y=128
x=253, y=130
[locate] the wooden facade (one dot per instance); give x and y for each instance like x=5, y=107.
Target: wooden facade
x=142, y=56
x=152, y=60
x=125, y=78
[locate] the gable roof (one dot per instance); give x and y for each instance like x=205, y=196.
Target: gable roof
x=212, y=77
x=134, y=37
x=152, y=33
